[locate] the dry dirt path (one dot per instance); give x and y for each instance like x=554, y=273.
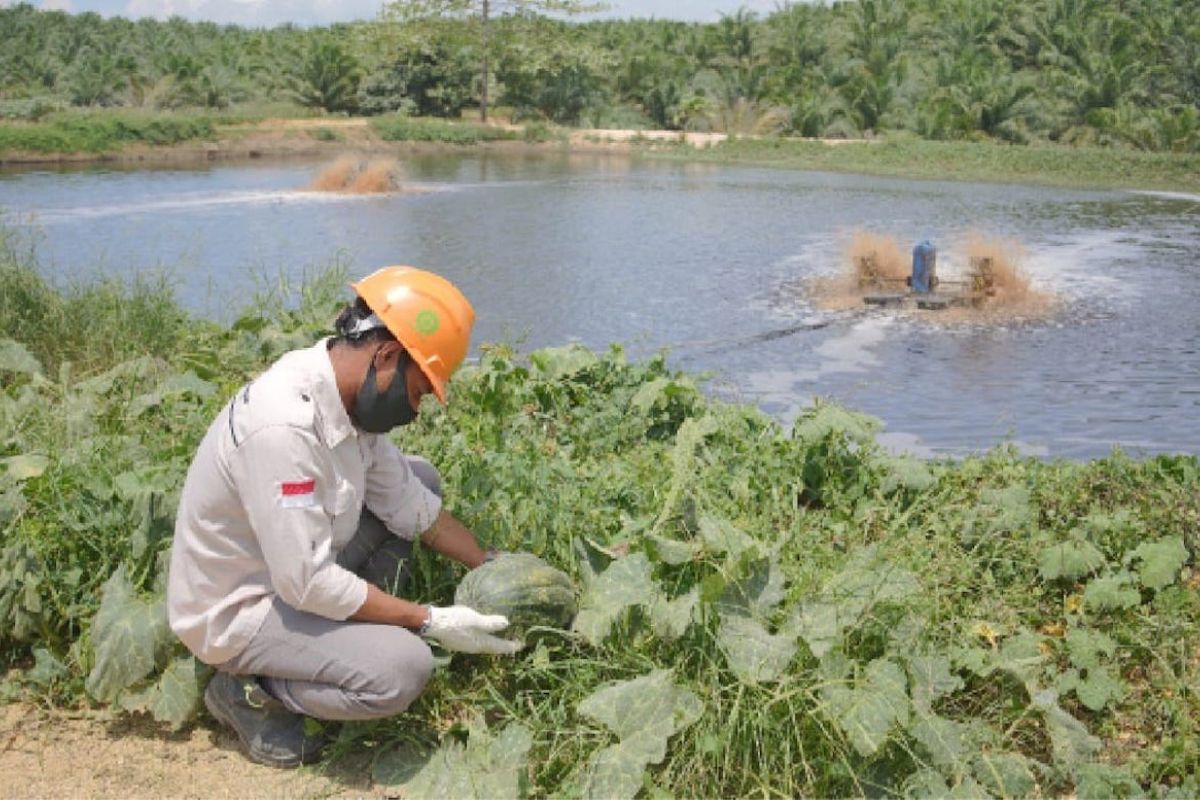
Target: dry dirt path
x=56, y=754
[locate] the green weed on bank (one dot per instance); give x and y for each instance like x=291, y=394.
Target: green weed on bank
x=400, y=128
x=101, y=131
x=763, y=610
x=905, y=157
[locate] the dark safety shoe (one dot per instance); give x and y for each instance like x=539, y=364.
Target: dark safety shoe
x=270, y=734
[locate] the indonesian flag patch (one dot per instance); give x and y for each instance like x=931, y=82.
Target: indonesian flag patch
x=298, y=494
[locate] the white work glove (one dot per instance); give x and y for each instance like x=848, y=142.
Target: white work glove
x=465, y=630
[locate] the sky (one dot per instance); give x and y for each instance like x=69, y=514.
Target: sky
x=323, y=12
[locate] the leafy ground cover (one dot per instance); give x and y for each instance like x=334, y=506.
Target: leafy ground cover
x=96, y=132
x=764, y=610
x=99, y=131
x=402, y=128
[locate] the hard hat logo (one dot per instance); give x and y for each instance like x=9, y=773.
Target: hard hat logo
x=427, y=322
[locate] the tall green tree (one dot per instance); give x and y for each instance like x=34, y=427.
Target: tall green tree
x=875, y=38
x=481, y=14
x=327, y=76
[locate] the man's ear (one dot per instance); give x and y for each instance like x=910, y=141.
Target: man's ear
x=389, y=353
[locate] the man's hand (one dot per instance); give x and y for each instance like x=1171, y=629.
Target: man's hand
x=465, y=630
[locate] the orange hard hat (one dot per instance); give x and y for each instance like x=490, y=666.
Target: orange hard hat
x=426, y=313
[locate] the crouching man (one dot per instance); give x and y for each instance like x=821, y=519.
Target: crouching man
x=296, y=524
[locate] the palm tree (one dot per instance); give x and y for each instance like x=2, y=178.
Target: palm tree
x=327, y=76
x=877, y=61
x=482, y=12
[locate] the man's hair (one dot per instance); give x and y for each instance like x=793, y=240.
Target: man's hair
x=349, y=326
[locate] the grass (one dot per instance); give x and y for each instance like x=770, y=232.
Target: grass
x=400, y=128
x=99, y=131
x=94, y=325
x=821, y=618
x=326, y=135
x=1037, y=164
x=103, y=131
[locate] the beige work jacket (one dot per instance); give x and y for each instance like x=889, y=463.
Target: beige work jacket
x=272, y=495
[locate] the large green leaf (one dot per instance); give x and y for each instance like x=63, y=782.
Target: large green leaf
x=24, y=466
x=186, y=383
x=1088, y=648
x=1069, y=560
x=128, y=634
x=999, y=511
x=931, y=678
x=1021, y=656
x=826, y=419
x=757, y=592
x=127, y=373
x=754, y=654
x=723, y=537
x=1091, y=680
x=1095, y=686
x=175, y=697
x=487, y=767
x=648, y=394
x=670, y=618
x=615, y=772
x=1004, y=774
x=12, y=503
x=928, y=784
x=15, y=357
x=1096, y=781
x=820, y=623
x=644, y=713
x=1111, y=593
x=649, y=703
x=1160, y=561
x=868, y=711
x=626, y=582
x=905, y=473
x=1072, y=743
x=673, y=552
x=47, y=668
x=557, y=363
x=945, y=741
x=845, y=597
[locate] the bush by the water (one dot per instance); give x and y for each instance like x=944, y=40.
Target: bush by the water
x=766, y=610
x=401, y=128
x=98, y=131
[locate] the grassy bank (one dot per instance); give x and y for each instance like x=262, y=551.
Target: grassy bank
x=108, y=132
x=398, y=128
x=763, y=612
x=1045, y=164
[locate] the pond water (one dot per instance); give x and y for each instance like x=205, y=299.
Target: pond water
x=709, y=262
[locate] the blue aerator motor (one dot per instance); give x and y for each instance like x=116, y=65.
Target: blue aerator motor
x=924, y=267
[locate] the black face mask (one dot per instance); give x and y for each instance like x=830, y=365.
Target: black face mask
x=377, y=412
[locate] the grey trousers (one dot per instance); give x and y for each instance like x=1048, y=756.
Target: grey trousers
x=348, y=670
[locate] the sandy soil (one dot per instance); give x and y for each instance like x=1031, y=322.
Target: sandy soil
x=58, y=754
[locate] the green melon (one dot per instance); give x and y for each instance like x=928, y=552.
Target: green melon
x=523, y=588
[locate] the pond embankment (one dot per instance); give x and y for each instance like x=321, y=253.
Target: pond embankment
x=180, y=139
